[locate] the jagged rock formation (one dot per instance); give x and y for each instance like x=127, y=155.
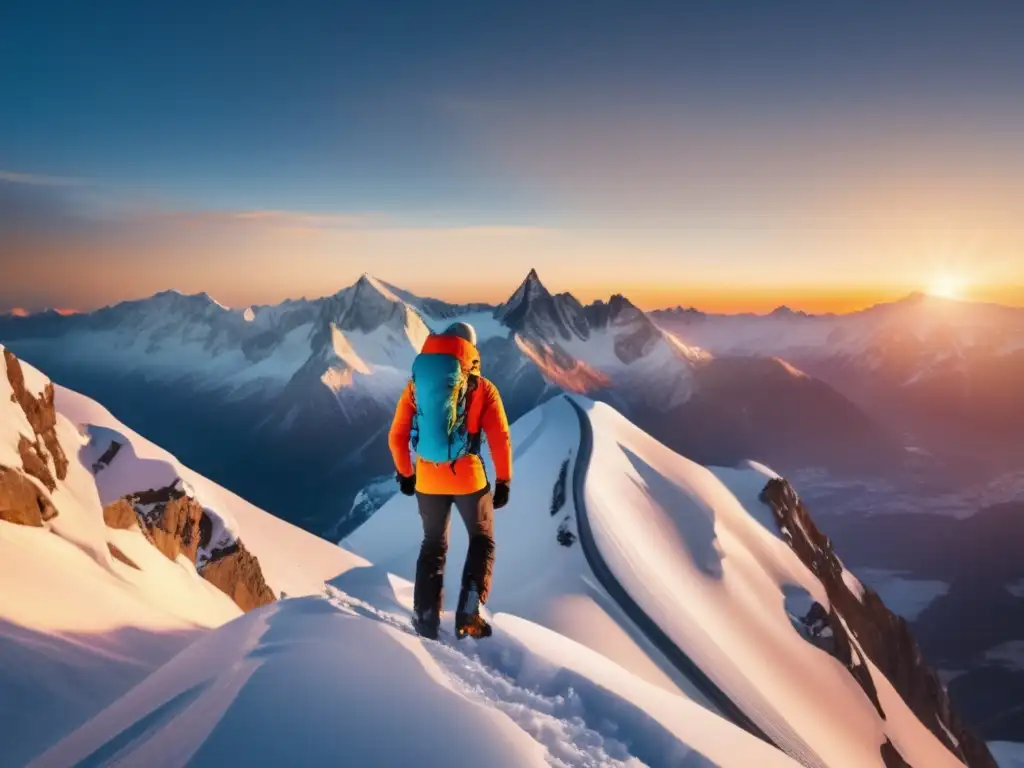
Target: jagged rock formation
x=861, y=621
x=176, y=524
x=34, y=464
x=171, y=518
x=21, y=501
x=236, y=572
x=41, y=415
x=121, y=514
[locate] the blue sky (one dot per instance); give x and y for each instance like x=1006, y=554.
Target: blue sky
x=724, y=139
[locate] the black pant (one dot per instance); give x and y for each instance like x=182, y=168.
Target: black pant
x=477, y=513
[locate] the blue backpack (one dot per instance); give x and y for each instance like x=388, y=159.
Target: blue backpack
x=441, y=389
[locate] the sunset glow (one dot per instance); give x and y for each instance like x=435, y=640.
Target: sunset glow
x=839, y=182
x=947, y=287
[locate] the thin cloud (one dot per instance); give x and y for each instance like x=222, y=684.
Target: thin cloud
x=41, y=180
x=305, y=220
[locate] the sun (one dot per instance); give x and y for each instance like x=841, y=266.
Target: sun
x=946, y=287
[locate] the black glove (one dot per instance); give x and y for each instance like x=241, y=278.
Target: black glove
x=406, y=485
x=501, y=491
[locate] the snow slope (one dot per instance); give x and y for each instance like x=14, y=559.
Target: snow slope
x=716, y=579
x=1008, y=754
x=361, y=687
x=696, y=552
x=293, y=561
x=78, y=627
x=306, y=680
x=70, y=612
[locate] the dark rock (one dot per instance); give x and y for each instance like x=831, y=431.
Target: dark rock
x=236, y=572
x=849, y=654
x=119, y=555
x=39, y=411
x=120, y=514
x=558, y=493
x=891, y=756
x=21, y=501
x=108, y=456
x=864, y=622
x=171, y=518
x=34, y=464
x=205, y=531
x=565, y=537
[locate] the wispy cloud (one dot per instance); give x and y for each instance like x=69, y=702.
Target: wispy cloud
x=306, y=220
x=41, y=179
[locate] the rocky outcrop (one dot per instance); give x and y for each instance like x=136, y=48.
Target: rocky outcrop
x=117, y=554
x=860, y=621
x=108, y=456
x=34, y=464
x=171, y=518
x=891, y=756
x=236, y=572
x=176, y=524
x=41, y=415
x=121, y=514
x=21, y=500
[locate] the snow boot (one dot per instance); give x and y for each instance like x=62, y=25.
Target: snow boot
x=426, y=623
x=468, y=619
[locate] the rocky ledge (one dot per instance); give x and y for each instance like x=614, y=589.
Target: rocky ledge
x=177, y=525
x=42, y=447
x=21, y=501
x=858, y=621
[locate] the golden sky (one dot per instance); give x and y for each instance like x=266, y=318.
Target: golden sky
x=264, y=257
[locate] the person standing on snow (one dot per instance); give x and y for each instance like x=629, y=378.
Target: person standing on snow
x=442, y=412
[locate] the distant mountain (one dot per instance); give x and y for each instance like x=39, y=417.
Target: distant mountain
x=290, y=404
x=712, y=409
x=947, y=372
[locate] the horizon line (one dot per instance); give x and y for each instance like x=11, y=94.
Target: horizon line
x=22, y=311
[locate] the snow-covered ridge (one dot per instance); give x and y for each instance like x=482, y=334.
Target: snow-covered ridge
x=704, y=559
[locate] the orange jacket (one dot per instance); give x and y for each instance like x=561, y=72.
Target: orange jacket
x=484, y=412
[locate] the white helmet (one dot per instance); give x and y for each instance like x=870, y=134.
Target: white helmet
x=464, y=331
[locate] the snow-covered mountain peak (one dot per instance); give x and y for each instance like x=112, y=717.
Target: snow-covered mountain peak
x=618, y=310
x=165, y=309
x=175, y=298
x=534, y=312
x=530, y=293
x=368, y=282
x=366, y=305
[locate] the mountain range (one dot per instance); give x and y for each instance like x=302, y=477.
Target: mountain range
x=945, y=373
x=289, y=404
